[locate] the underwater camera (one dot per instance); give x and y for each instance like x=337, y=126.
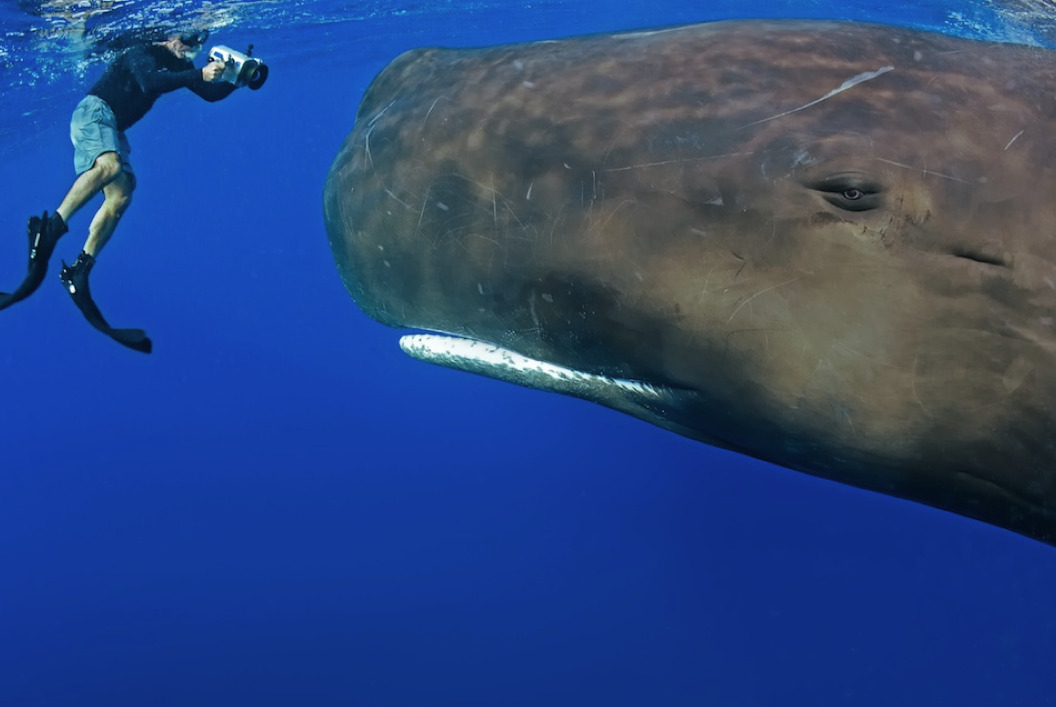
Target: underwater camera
x=240, y=69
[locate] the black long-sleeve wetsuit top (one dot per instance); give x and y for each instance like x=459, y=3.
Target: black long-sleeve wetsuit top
x=137, y=78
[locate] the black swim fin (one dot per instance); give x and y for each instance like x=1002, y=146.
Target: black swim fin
x=75, y=279
x=43, y=233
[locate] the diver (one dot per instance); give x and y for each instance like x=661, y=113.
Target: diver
x=127, y=89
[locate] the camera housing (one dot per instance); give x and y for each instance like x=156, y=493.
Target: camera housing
x=240, y=69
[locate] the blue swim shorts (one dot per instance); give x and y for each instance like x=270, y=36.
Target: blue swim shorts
x=93, y=130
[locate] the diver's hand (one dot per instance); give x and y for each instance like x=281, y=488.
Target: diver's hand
x=212, y=71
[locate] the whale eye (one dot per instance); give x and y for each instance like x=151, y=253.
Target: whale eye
x=850, y=191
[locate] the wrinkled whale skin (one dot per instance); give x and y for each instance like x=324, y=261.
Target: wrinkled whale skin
x=833, y=244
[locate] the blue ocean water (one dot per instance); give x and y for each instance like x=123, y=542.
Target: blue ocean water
x=277, y=507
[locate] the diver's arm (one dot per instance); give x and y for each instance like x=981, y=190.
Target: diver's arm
x=208, y=84
x=151, y=79
x=211, y=91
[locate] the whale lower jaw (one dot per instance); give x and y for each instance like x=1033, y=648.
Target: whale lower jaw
x=638, y=398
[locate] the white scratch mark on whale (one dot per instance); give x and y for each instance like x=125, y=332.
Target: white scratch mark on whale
x=430, y=111
x=389, y=192
x=922, y=171
x=664, y=163
x=760, y=292
x=849, y=83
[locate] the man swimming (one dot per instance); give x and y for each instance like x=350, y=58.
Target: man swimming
x=125, y=92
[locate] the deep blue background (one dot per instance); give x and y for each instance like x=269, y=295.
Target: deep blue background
x=278, y=507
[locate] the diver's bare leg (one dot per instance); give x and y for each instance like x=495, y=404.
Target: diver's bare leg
x=117, y=196
x=106, y=169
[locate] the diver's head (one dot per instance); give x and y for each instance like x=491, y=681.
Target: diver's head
x=187, y=44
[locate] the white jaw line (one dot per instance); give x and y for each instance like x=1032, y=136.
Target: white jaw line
x=496, y=362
